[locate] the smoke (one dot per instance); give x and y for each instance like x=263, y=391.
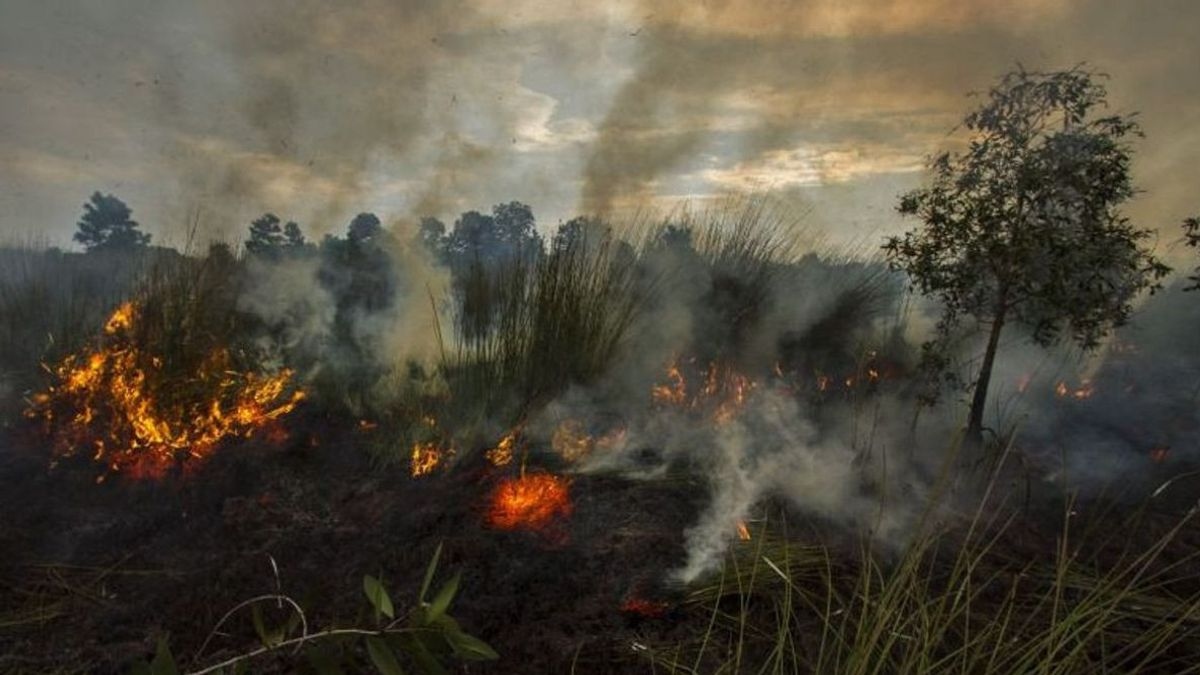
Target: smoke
x=313, y=310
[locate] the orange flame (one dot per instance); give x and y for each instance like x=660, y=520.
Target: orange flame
x=425, y=458
x=572, y=441
x=530, y=502
x=674, y=391
x=109, y=403
x=743, y=531
x=502, y=454
x=724, y=391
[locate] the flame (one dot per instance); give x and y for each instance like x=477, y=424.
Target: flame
x=529, y=502
x=1159, y=455
x=572, y=441
x=674, y=391
x=105, y=399
x=724, y=391
x=1084, y=391
x=425, y=458
x=502, y=454
x=743, y=531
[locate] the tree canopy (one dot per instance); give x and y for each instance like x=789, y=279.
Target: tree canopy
x=1024, y=225
x=107, y=224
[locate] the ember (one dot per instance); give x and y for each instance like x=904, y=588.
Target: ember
x=650, y=609
x=529, y=502
x=106, y=401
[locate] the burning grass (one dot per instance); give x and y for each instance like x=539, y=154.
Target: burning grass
x=111, y=402
x=532, y=501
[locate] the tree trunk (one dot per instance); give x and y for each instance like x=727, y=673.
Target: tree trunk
x=979, y=400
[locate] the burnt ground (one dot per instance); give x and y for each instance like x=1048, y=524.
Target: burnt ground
x=93, y=573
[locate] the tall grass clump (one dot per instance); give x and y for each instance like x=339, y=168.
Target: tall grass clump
x=532, y=325
x=975, y=598
x=54, y=301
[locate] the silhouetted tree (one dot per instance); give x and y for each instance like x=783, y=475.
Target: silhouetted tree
x=507, y=233
x=432, y=235
x=292, y=236
x=1191, y=234
x=365, y=227
x=1023, y=226
x=269, y=240
x=107, y=224
x=266, y=237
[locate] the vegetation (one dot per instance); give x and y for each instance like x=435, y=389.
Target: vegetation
x=1191, y=233
x=426, y=637
x=107, y=224
x=1021, y=228
x=1024, y=226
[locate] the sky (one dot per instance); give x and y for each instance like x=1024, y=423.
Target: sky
x=207, y=114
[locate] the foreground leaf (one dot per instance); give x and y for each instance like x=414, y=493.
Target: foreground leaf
x=382, y=657
x=378, y=597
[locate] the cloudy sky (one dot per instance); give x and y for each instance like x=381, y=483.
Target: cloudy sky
x=317, y=110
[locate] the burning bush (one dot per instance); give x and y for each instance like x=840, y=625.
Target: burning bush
x=119, y=401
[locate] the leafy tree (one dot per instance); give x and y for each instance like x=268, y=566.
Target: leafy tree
x=269, y=240
x=365, y=227
x=509, y=232
x=266, y=237
x=1024, y=226
x=293, y=237
x=1191, y=234
x=107, y=224
x=432, y=235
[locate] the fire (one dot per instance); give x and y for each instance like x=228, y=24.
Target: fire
x=1159, y=455
x=105, y=400
x=425, y=458
x=502, y=454
x=674, y=391
x=529, y=502
x=743, y=531
x=724, y=391
x=1082, y=392
x=572, y=441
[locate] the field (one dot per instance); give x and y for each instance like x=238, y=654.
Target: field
x=700, y=445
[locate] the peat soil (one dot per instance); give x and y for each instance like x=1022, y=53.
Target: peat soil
x=92, y=574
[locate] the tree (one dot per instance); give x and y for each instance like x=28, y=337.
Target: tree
x=107, y=224
x=365, y=227
x=293, y=237
x=269, y=240
x=432, y=234
x=1024, y=225
x=1191, y=237
x=266, y=237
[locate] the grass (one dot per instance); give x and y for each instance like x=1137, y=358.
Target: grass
x=966, y=598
